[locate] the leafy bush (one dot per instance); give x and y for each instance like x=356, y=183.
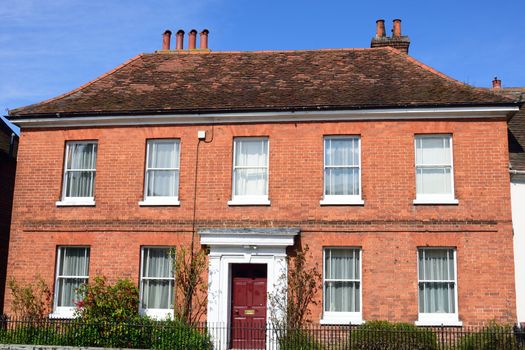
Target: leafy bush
x=175, y=334
x=383, y=335
x=101, y=302
x=32, y=301
x=493, y=337
x=298, y=340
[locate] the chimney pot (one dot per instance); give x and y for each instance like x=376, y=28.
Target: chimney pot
x=180, y=39
x=192, y=39
x=397, y=28
x=166, y=39
x=380, y=28
x=496, y=83
x=204, y=39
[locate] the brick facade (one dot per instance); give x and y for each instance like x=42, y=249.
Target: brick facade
x=388, y=227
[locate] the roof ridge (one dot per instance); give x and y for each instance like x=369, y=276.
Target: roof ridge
x=209, y=52
x=83, y=86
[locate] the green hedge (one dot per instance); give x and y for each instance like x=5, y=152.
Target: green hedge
x=493, y=337
x=383, y=335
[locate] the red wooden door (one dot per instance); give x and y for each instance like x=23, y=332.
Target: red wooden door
x=248, y=326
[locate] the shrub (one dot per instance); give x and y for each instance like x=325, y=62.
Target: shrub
x=298, y=339
x=101, y=302
x=30, y=302
x=383, y=335
x=493, y=337
x=175, y=334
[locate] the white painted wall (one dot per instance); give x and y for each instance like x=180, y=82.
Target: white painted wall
x=517, y=190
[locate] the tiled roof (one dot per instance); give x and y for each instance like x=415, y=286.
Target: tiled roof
x=516, y=129
x=180, y=82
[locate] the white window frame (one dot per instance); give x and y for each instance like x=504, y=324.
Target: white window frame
x=435, y=198
x=151, y=312
x=439, y=318
x=66, y=311
x=77, y=201
x=160, y=200
x=344, y=318
x=250, y=200
x=342, y=199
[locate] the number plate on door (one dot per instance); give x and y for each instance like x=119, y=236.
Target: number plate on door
x=249, y=312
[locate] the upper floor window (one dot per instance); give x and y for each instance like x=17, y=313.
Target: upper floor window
x=72, y=271
x=162, y=173
x=434, y=169
x=342, y=170
x=157, y=281
x=79, y=173
x=437, y=286
x=342, y=285
x=250, y=171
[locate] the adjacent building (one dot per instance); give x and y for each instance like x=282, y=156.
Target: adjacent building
x=394, y=174
x=8, y=151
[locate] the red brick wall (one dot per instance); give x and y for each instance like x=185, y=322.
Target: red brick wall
x=389, y=228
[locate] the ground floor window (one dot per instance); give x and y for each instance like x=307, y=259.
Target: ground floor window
x=72, y=271
x=437, y=285
x=342, y=285
x=157, y=279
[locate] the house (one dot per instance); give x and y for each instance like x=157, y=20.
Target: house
x=8, y=151
x=394, y=174
x=516, y=136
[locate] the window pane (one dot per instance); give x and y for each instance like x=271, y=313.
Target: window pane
x=250, y=182
x=433, y=150
x=342, y=296
x=436, y=297
x=341, y=151
x=162, y=183
x=344, y=264
x=81, y=156
x=433, y=180
x=341, y=181
x=251, y=153
x=79, y=183
x=163, y=154
x=157, y=263
x=67, y=295
x=74, y=262
x=436, y=265
x=157, y=294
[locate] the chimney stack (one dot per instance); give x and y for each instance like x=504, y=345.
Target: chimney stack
x=396, y=29
x=204, y=39
x=166, y=38
x=496, y=83
x=192, y=36
x=397, y=41
x=380, y=28
x=180, y=40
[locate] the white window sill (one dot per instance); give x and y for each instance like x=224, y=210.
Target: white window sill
x=341, y=321
x=158, y=314
x=342, y=200
x=152, y=202
x=69, y=202
x=63, y=312
x=249, y=201
x=436, y=200
x=436, y=320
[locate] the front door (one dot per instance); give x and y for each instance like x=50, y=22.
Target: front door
x=248, y=313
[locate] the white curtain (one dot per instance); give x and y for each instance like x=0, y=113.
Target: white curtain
x=251, y=167
x=157, y=282
x=163, y=169
x=433, y=165
x=80, y=169
x=73, y=271
x=341, y=166
x=437, y=291
x=342, y=280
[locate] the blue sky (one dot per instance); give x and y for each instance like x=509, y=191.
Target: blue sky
x=50, y=47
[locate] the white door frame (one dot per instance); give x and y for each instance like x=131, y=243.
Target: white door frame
x=242, y=246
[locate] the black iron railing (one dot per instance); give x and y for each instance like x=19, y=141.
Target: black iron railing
x=150, y=334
